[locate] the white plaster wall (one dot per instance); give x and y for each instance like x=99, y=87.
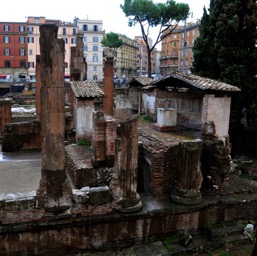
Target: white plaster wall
x=217, y=110
x=122, y=101
x=148, y=102
x=84, y=121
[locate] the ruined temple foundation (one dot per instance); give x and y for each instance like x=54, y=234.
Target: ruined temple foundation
x=187, y=190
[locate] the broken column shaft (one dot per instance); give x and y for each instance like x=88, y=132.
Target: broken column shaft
x=124, y=180
x=54, y=191
x=187, y=190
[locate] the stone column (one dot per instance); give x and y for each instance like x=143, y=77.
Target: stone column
x=124, y=181
x=187, y=190
x=108, y=82
x=38, y=86
x=54, y=192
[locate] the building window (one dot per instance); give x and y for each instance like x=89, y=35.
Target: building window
x=36, y=20
x=175, y=43
x=21, y=28
x=22, y=52
x=66, y=64
x=30, y=30
x=74, y=31
x=6, y=28
x=95, y=28
x=95, y=39
x=6, y=39
x=6, y=51
x=30, y=52
x=65, y=40
x=95, y=58
x=95, y=48
x=85, y=48
x=85, y=28
x=73, y=40
x=7, y=64
x=64, y=31
x=95, y=68
x=22, y=64
x=31, y=65
x=22, y=39
x=30, y=40
x=84, y=39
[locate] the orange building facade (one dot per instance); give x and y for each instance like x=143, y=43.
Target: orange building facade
x=177, y=49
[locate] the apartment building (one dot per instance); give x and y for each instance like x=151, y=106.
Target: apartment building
x=176, y=53
x=126, y=60
x=93, y=34
x=187, y=37
x=142, y=57
x=13, y=49
x=67, y=31
x=169, y=60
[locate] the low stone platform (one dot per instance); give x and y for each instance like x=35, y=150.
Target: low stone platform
x=89, y=227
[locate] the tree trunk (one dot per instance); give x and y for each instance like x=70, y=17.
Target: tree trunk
x=149, y=62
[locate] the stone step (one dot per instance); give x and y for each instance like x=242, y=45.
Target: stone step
x=220, y=231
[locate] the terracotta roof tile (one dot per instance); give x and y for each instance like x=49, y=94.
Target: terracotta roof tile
x=86, y=89
x=199, y=82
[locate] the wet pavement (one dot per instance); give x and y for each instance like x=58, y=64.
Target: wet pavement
x=20, y=172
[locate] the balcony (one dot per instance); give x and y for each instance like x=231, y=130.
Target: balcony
x=174, y=56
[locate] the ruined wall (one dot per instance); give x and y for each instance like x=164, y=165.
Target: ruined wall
x=20, y=136
x=187, y=104
x=26, y=231
x=217, y=110
x=158, y=165
x=122, y=104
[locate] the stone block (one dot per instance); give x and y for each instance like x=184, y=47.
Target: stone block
x=99, y=195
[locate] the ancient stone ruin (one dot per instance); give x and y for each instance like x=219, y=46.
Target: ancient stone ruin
x=125, y=185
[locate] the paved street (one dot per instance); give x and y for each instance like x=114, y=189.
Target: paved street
x=20, y=172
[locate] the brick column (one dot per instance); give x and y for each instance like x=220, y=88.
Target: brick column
x=124, y=181
x=54, y=192
x=187, y=190
x=5, y=113
x=38, y=86
x=108, y=84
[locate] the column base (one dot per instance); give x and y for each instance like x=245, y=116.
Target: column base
x=128, y=206
x=186, y=197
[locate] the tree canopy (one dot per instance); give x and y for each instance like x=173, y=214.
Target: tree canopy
x=111, y=40
x=226, y=50
x=148, y=14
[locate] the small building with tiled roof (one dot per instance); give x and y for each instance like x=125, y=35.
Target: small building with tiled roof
x=88, y=97
x=188, y=100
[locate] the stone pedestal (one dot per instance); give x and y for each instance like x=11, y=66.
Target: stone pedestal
x=124, y=181
x=187, y=190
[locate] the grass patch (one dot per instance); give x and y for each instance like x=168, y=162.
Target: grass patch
x=83, y=143
x=145, y=118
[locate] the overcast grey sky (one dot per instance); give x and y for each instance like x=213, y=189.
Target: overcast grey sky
x=107, y=10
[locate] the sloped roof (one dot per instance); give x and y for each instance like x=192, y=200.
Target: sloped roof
x=86, y=89
x=143, y=81
x=195, y=82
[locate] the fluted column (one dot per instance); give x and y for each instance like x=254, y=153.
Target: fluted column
x=187, y=189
